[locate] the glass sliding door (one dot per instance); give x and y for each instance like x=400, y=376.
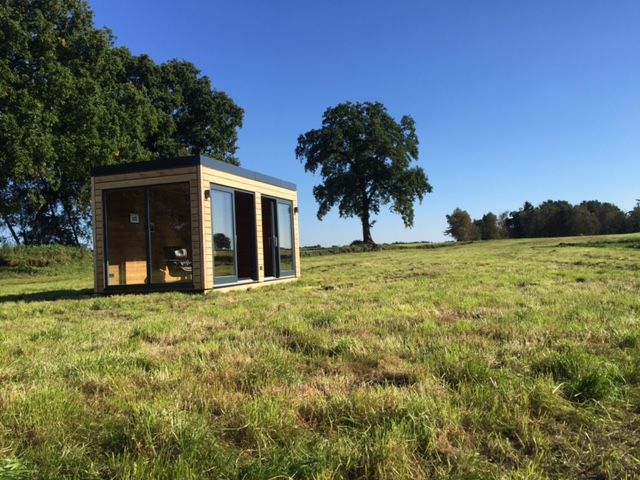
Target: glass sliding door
x=285, y=238
x=244, y=206
x=224, y=236
x=170, y=233
x=269, y=238
x=148, y=235
x=126, y=237
x=277, y=238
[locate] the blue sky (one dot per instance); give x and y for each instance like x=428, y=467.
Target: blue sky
x=513, y=100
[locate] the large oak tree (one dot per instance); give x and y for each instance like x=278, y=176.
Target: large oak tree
x=70, y=99
x=365, y=160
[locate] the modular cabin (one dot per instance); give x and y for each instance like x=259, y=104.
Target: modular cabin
x=191, y=223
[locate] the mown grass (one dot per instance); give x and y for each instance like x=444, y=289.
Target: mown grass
x=505, y=359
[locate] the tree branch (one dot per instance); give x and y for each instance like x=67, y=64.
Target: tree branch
x=10, y=227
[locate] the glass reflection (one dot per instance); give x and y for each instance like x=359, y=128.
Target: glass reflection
x=224, y=262
x=285, y=238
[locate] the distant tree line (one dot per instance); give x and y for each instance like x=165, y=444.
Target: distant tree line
x=553, y=218
x=71, y=99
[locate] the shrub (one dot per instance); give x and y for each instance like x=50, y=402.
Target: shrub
x=33, y=257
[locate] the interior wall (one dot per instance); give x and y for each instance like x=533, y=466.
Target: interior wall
x=246, y=235
x=127, y=241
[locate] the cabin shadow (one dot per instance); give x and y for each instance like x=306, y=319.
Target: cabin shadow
x=48, y=295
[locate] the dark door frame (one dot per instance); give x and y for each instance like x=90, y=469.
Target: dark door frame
x=254, y=243
x=223, y=280
x=275, y=237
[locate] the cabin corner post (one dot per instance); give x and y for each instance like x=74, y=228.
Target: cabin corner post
x=259, y=241
x=201, y=284
x=93, y=235
x=205, y=222
x=98, y=232
x=296, y=237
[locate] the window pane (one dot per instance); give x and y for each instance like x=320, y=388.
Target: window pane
x=170, y=233
x=126, y=237
x=224, y=264
x=285, y=237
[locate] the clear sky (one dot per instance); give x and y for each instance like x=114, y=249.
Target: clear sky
x=513, y=100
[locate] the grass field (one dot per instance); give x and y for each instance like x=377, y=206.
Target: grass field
x=505, y=359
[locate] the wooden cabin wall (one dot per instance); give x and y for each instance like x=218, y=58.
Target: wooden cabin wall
x=210, y=176
x=200, y=179
x=156, y=177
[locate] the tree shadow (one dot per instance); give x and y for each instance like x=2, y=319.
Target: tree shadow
x=48, y=295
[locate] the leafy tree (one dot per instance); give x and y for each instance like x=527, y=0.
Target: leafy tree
x=364, y=158
x=192, y=118
x=555, y=218
x=519, y=222
x=611, y=219
x=221, y=241
x=478, y=229
x=633, y=220
x=461, y=227
x=503, y=225
x=551, y=219
x=582, y=222
x=70, y=100
x=489, y=227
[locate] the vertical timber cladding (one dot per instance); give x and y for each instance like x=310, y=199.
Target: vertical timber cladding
x=210, y=176
x=101, y=183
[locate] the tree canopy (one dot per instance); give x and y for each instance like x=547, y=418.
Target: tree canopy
x=364, y=158
x=70, y=100
x=552, y=218
x=461, y=226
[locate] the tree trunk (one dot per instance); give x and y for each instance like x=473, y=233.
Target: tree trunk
x=366, y=224
x=366, y=231
x=56, y=222
x=13, y=232
x=67, y=212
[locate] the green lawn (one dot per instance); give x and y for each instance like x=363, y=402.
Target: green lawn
x=504, y=359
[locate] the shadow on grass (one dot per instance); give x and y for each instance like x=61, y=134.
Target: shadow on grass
x=48, y=295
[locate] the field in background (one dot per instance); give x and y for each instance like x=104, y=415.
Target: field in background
x=503, y=359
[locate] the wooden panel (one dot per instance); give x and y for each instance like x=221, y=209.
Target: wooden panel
x=241, y=183
x=128, y=273
x=146, y=182
x=93, y=237
x=296, y=238
x=98, y=238
x=258, y=201
x=171, y=172
x=207, y=245
x=201, y=280
x=196, y=229
x=202, y=207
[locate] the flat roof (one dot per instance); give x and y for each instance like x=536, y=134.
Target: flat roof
x=190, y=161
